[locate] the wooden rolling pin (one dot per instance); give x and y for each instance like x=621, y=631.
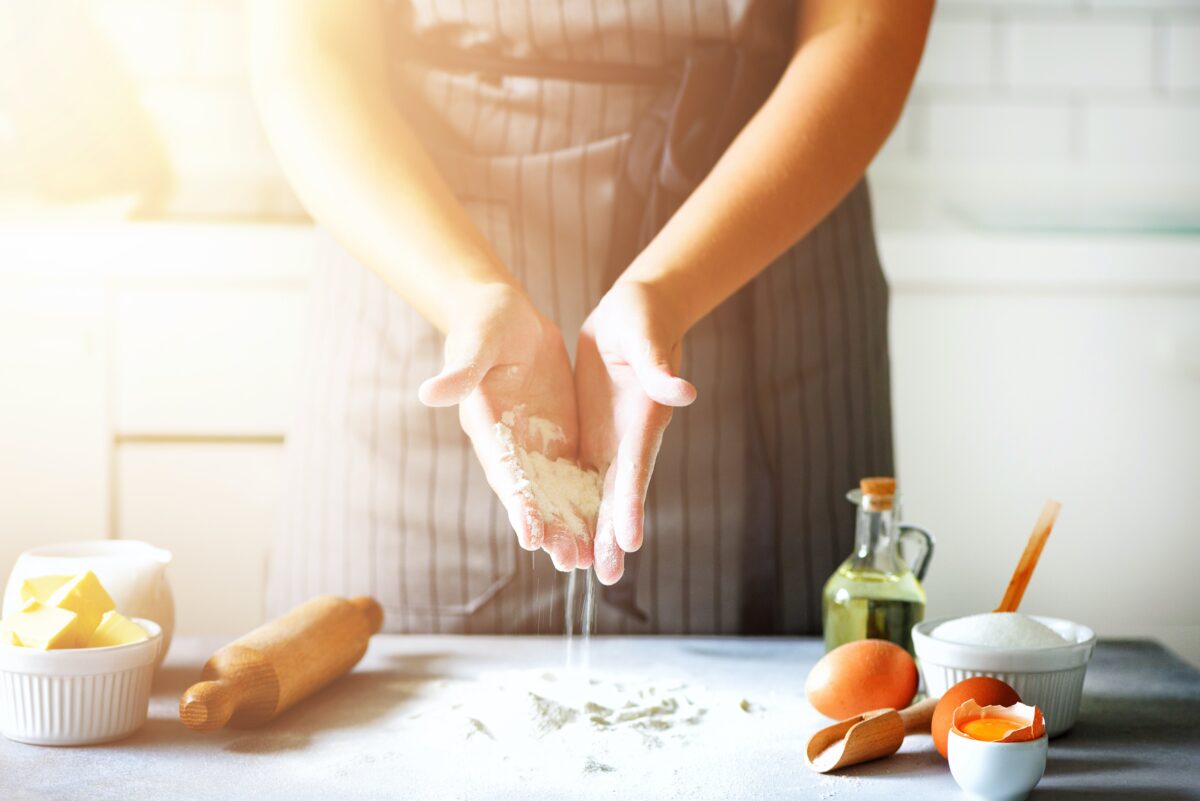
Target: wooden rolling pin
x=280, y=663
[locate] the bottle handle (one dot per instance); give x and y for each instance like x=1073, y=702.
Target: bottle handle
x=920, y=565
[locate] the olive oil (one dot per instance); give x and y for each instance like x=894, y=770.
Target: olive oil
x=866, y=603
x=875, y=593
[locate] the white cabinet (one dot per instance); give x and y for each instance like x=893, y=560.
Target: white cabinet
x=206, y=359
x=1011, y=387
x=145, y=380
x=214, y=506
x=53, y=414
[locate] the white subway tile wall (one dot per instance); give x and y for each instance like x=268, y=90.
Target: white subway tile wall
x=1085, y=83
x=1090, y=85
x=1183, y=55
x=1077, y=52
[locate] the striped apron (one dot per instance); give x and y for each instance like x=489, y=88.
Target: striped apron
x=570, y=135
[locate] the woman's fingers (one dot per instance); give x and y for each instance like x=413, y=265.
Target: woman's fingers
x=466, y=364
x=608, y=558
x=524, y=519
x=653, y=370
x=636, y=454
x=503, y=472
x=449, y=387
x=562, y=546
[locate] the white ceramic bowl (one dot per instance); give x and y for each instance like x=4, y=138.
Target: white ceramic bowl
x=133, y=573
x=77, y=696
x=996, y=771
x=1049, y=678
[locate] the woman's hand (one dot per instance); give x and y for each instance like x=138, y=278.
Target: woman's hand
x=629, y=349
x=503, y=356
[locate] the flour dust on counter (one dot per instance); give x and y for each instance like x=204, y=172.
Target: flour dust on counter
x=563, y=727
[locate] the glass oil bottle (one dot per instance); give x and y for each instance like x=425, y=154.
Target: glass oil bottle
x=876, y=594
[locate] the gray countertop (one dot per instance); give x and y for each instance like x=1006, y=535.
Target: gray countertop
x=448, y=717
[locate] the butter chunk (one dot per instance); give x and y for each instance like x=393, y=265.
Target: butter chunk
x=115, y=629
x=41, y=588
x=87, y=597
x=84, y=596
x=45, y=627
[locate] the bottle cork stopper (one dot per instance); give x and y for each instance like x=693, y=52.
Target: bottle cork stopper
x=877, y=492
x=881, y=485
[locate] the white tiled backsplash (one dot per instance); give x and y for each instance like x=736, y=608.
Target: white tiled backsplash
x=1084, y=83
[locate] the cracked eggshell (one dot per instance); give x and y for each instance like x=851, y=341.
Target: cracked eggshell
x=1031, y=724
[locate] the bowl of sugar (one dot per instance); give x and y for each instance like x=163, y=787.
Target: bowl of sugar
x=1043, y=658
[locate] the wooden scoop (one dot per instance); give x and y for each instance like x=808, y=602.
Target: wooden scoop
x=1029, y=559
x=871, y=735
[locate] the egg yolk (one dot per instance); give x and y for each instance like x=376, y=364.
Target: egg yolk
x=990, y=729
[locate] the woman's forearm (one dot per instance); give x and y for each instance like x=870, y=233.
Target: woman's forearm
x=322, y=87
x=797, y=157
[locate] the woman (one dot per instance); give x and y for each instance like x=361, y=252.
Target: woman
x=493, y=176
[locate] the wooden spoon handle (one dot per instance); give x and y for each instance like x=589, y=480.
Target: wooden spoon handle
x=918, y=717
x=1029, y=559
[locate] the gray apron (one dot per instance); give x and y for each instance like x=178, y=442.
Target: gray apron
x=570, y=135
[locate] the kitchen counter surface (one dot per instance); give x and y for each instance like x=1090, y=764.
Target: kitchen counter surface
x=448, y=717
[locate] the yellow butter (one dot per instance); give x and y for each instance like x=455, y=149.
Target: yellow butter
x=42, y=587
x=83, y=595
x=45, y=627
x=115, y=629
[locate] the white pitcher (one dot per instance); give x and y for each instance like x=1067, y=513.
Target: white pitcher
x=133, y=573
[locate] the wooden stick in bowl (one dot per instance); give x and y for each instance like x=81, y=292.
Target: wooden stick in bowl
x=1029, y=559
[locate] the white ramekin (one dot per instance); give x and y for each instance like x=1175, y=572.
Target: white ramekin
x=1049, y=678
x=77, y=696
x=996, y=771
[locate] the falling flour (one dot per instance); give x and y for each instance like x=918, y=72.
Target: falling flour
x=563, y=492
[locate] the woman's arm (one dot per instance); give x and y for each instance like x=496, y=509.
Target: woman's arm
x=797, y=157
x=321, y=81
x=791, y=164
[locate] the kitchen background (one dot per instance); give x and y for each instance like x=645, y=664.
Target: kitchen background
x=1039, y=210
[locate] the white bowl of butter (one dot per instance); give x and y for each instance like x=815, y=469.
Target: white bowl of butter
x=73, y=671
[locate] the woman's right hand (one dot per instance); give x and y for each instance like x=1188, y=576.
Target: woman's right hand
x=502, y=355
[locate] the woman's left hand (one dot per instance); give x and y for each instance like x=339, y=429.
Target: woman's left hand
x=629, y=349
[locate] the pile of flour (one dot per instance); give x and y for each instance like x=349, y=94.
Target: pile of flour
x=561, y=490
x=583, y=723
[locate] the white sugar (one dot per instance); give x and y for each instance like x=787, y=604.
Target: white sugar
x=999, y=630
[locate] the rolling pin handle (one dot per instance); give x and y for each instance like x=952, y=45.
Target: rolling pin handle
x=209, y=705
x=918, y=716
x=371, y=610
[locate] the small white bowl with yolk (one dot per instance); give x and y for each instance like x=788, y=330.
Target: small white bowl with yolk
x=77, y=696
x=994, y=771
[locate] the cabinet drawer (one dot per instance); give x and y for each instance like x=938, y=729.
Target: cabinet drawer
x=206, y=360
x=215, y=508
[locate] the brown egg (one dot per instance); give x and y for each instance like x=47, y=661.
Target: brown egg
x=860, y=676
x=983, y=690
